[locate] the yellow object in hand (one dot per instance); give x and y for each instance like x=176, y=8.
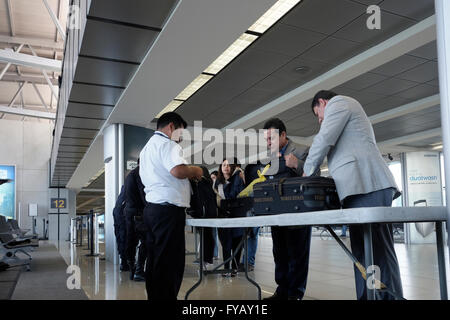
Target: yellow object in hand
x=261, y=178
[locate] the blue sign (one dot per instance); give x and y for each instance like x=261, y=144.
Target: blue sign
x=8, y=191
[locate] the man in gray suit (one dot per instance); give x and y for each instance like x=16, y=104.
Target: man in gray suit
x=362, y=178
x=290, y=244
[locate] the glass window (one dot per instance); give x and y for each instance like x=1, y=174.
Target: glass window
x=396, y=169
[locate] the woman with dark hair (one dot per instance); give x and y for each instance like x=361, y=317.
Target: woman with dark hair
x=229, y=183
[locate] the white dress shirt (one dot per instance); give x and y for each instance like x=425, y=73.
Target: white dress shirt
x=157, y=158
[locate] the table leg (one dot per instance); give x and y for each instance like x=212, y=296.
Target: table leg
x=368, y=252
x=201, y=267
x=246, y=265
x=440, y=244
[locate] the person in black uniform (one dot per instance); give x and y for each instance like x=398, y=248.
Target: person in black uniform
x=134, y=209
x=120, y=229
x=291, y=245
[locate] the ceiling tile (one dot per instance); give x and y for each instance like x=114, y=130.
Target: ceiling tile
x=364, y=81
x=384, y=105
x=78, y=133
x=104, y=72
x=142, y=12
x=391, y=86
x=422, y=73
x=83, y=123
x=399, y=65
x=115, y=41
x=94, y=94
x=418, y=10
x=287, y=40
x=88, y=110
x=418, y=92
x=391, y=24
x=325, y=16
x=333, y=51
x=428, y=51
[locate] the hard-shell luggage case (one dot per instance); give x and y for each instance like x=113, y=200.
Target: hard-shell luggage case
x=299, y=194
x=236, y=208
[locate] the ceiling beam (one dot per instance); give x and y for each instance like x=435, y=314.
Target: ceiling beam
x=35, y=42
x=55, y=20
x=11, y=18
x=38, y=78
x=9, y=64
x=28, y=113
x=418, y=136
x=27, y=60
x=405, y=41
x=415, y=106
x=44, y=73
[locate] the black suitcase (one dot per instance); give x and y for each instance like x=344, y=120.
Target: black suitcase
x=236, y=208
x=299, y=194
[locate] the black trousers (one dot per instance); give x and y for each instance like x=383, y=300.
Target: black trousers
x=229, y=247
x=291, y=254
x=383, y=245
x=134, y=236
x=165, y=244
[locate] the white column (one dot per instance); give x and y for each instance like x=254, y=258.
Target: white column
x=113, y=158
x=443, y=47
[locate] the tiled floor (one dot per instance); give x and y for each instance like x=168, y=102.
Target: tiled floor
x=330, y=274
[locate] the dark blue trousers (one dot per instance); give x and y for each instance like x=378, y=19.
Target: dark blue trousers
x=291, y=254
x=383, y=244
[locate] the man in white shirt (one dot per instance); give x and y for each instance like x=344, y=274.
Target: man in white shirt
x=165, y=175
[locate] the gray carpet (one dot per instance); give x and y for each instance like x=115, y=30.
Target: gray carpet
x=47, y=278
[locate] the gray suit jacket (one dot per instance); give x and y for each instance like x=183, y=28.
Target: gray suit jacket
x=354, y=160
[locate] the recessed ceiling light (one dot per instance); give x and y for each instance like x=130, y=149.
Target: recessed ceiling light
x=232, y=52
x=279, y=9
x=302, y=69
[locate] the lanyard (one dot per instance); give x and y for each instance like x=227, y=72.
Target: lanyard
x=162, y=135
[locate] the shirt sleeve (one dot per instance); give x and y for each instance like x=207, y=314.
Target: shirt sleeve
x=172, y=155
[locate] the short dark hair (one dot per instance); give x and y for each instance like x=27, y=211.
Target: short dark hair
x=322, y=94
x=215, y=172
x=169, y=117
x=275, y=123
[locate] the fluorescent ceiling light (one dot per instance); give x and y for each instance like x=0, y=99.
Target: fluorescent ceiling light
x=272, y=15
x=170, y=107
x=193, y=86
x=232, y=52
x=438, y=147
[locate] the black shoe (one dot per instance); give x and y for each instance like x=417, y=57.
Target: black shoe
x=294, y=298
x=276, y=297
x=139, y=277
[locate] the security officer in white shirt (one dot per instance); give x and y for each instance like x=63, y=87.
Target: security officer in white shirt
x=165, y=173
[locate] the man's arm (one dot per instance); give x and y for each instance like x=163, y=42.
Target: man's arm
x=331, y=129
x=183, y=171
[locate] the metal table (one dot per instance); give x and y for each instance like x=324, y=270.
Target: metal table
x=364, y=216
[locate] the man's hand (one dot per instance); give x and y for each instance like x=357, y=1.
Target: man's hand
x=291, y=161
